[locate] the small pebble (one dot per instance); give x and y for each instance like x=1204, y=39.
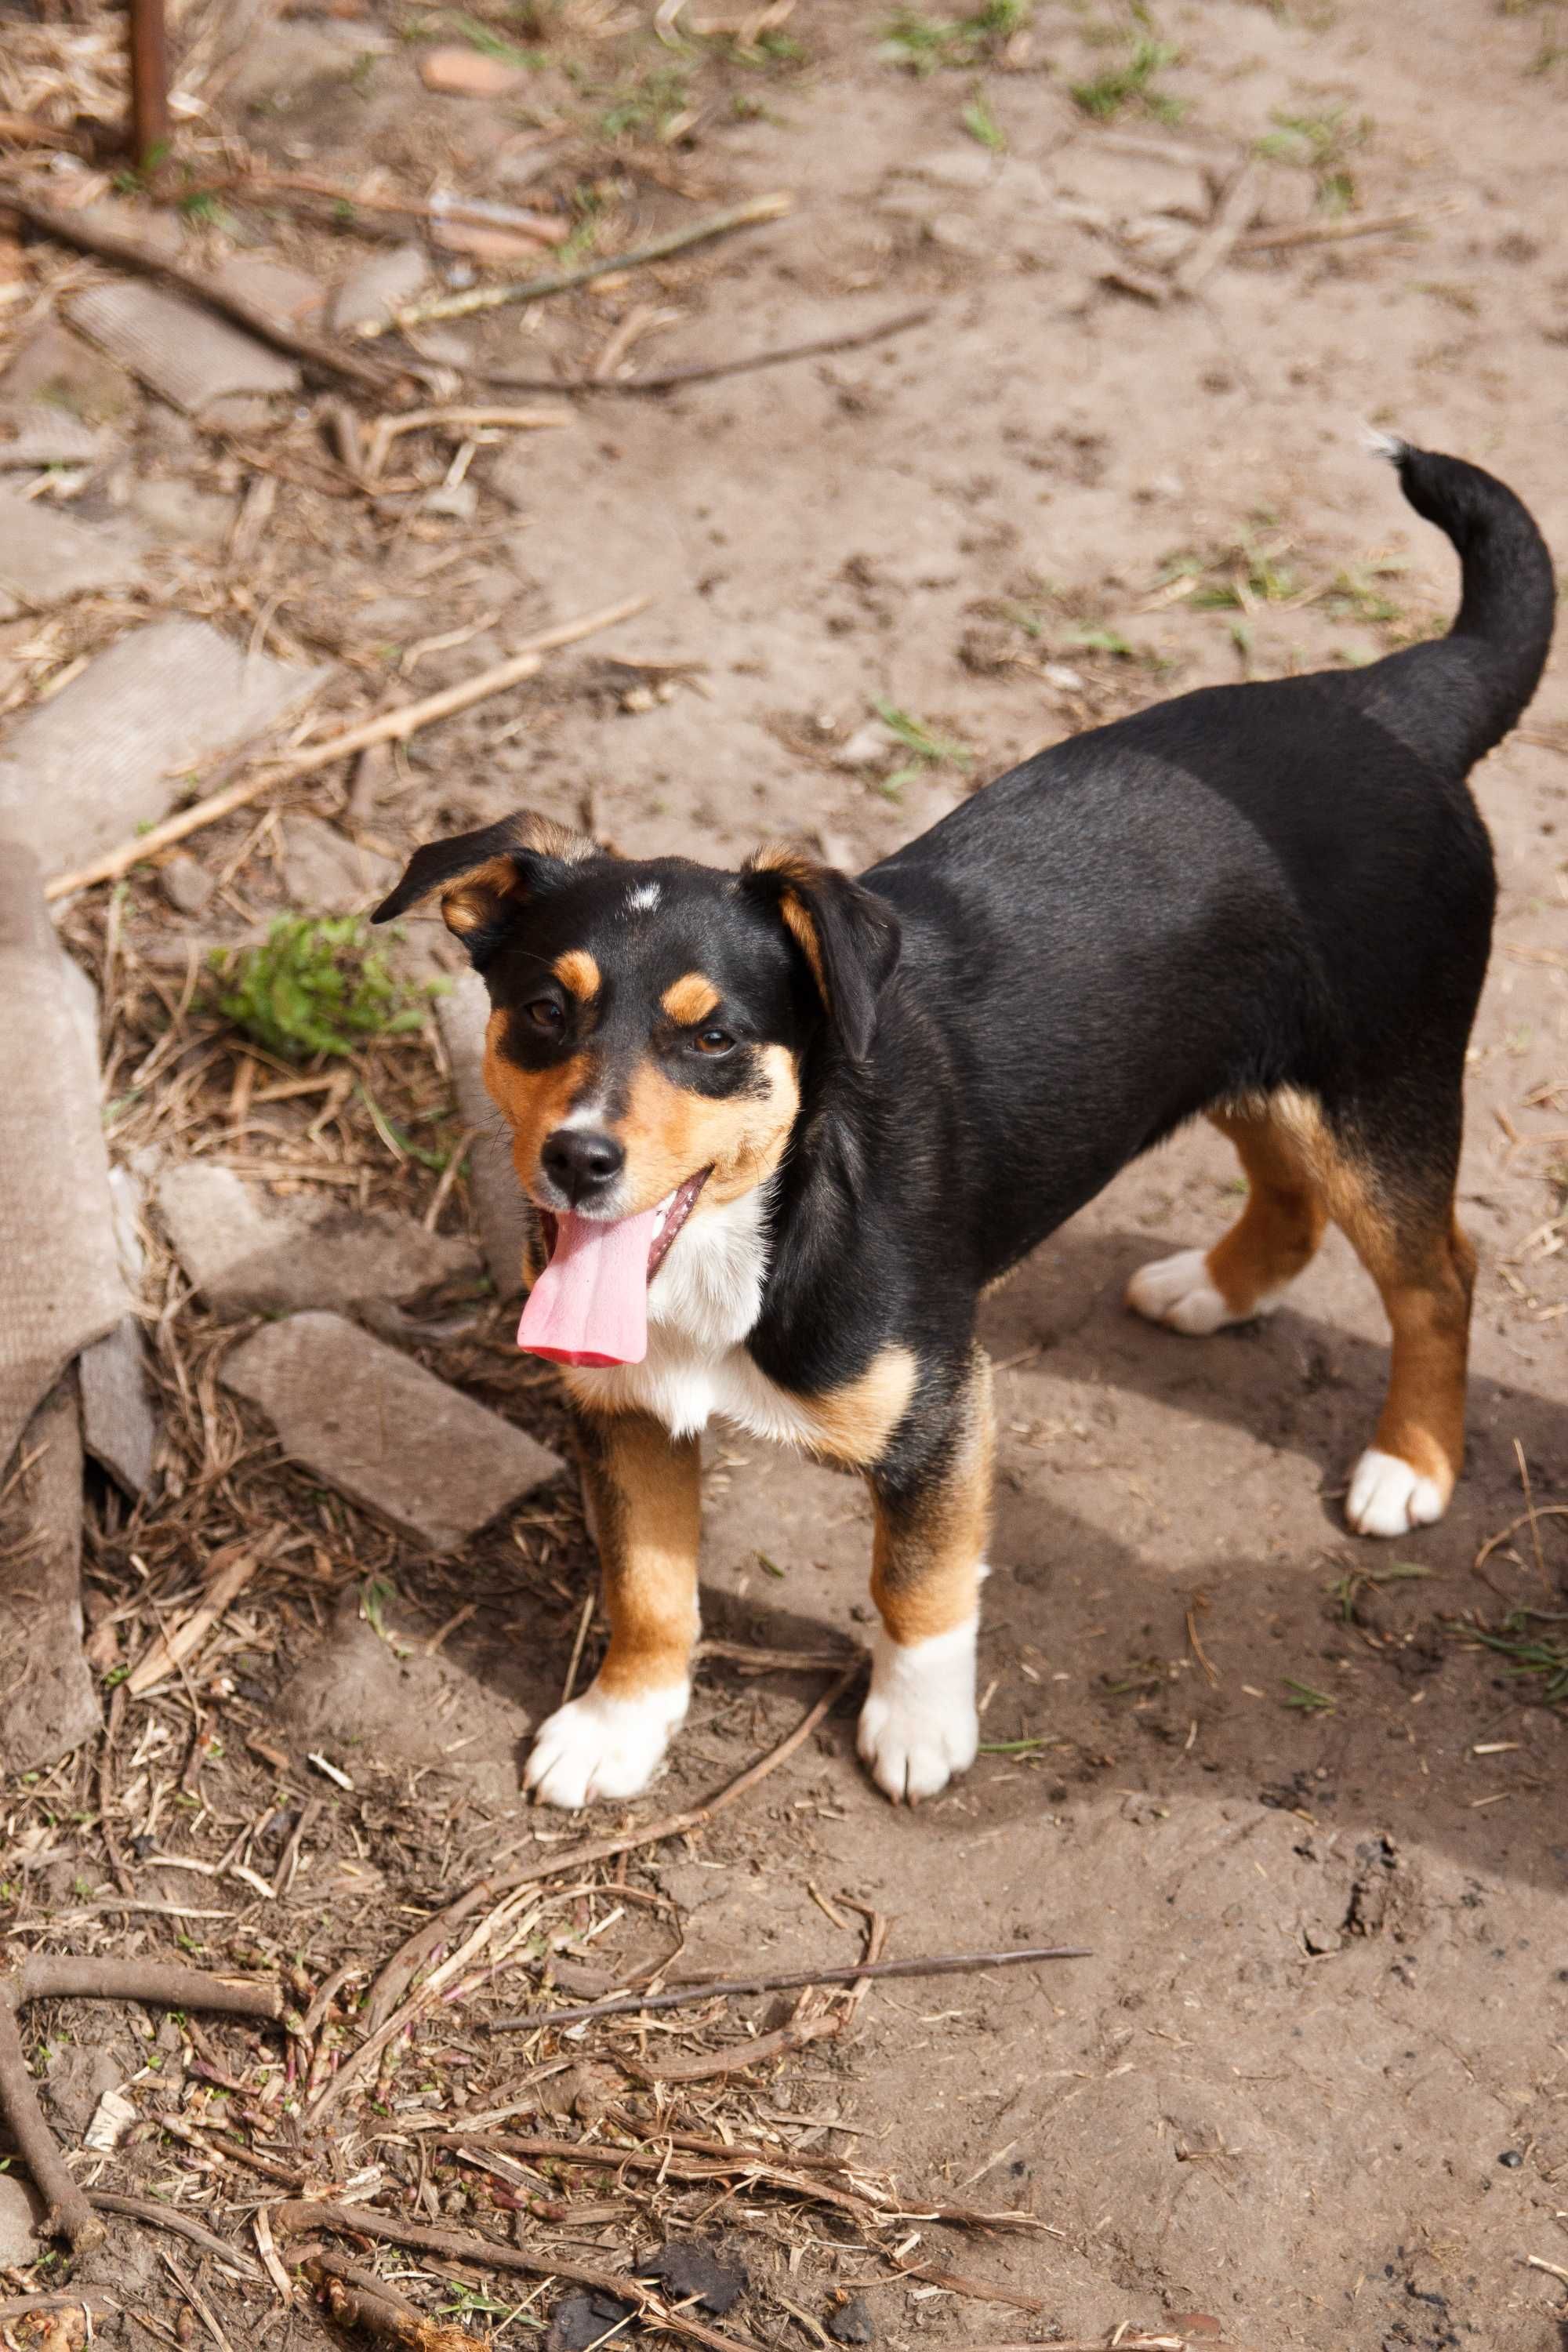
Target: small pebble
x=851, y=2323
x=1512, y=2157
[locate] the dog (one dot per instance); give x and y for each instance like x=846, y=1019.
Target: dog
x=781, y=1129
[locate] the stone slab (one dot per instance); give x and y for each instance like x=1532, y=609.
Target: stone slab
x=378, y=286
x=49, y=1704
x=185, y=355
x=109, y=752
x=250, y=1254
x=46, y=556
x=385, y=1432
x=60, y=1284
x=500, y=1212
x=119, y=1419
x=22, y=2238
x=37, y=433
x=326, y=873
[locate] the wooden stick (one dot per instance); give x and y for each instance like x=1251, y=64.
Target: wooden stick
x=411, y=1956
x=391, y=727
x=751, y=214
x=235, y=1565
x=705, y=372
x=1212, y=247
x=51, y=1976
x=1334, y=232
x=550, y=228
x=940, y=1964
x=129, y=253
x=706, y=2065
x=149, y=49
x=292, y=2219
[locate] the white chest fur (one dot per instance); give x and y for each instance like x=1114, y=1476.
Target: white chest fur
x=703, y=1301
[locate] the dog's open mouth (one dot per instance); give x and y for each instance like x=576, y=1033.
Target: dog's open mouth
x=590, y=1304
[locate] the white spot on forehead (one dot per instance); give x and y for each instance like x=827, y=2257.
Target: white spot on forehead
x=642, y=898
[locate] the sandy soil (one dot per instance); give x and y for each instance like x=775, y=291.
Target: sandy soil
x=1312, y=2082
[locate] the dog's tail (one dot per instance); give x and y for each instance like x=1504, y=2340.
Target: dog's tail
x=1474, y=683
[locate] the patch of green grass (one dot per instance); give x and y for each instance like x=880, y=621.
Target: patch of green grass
x=316, y=985
x=1348, y=1589
x=491, y=44
x=1306, y=1700
x=925, y=45
x=1093, y=637
x=981, y=123
x=929, y=749
x=1011, y=1747
x=1131, y=83
x=646, y=108
x=1539, y=1657
x=1321, y=143
x=1354, y=596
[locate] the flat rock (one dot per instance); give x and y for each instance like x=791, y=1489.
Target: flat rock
x=186, y=882
x=50, y=1702
x=60, y=1284
x=378, y=286
x=36, y=433
x=326, y=873
x=106, y=754
x=21, y=2223
x=385, y=1432
x=500, y=1212
x=285, y=294
x=187, y=356
x=47, y=557
x=57, y=370
x=119, y=1419
x=249, y=1255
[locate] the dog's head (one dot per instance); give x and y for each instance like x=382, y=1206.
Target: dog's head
x=650, y=1017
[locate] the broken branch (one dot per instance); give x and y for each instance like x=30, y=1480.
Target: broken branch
x=940, y=1964
x=393, y=726
x=355, y=2301
x=705, y=372
x=130, y=253
x=57, y=1977
x=751, y=214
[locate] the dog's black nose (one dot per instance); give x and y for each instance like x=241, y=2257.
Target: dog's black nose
x=580, y=1162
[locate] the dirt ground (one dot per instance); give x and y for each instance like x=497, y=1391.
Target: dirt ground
x=1311, y=2083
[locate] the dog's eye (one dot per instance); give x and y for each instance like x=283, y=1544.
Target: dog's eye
x=713, y=1040
x=546, y=1015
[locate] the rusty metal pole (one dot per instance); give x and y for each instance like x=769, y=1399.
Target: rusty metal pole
x=149, y=83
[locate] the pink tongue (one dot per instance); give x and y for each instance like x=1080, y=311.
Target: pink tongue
x=590, y=1304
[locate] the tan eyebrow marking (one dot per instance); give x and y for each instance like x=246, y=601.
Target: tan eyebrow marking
x=689, y=999
x=577, y=972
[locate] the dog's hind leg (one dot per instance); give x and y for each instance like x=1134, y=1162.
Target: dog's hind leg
x=1246, y=1272
x=1401, y=1224
x=931, y=1495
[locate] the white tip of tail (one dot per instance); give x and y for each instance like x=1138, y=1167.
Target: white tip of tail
x=1387, y=445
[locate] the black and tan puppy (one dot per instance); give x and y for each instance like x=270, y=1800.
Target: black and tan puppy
x=781, y=1129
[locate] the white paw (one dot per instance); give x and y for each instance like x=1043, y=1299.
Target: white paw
x=1388, y=1497
x=919, y=1726
x=597, y=1746
x=1179, y=1292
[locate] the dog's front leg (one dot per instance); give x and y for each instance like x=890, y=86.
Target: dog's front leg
x=932, y=1499
x=644, y=1495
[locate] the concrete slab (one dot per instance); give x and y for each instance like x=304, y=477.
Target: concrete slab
x=49, y=1703
x=500, y=1212
x=378, y=286
x=250, y=1254
x=106, y=754
x=326, y=873
x=119, y=1421
x=37, y=433
x=46, y=556
x=185, y=355
x=385, y=1432
x=60, y=1284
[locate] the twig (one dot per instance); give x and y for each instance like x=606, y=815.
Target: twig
x=58, y=1976
x=939, y=1964
x=264, y=185
x=707, y=2065
x=85, y=2299
x=354, y=2301
x=393, y=726
x=1213, y=248
x=751, y=214
x=389, y=429
x=1335, y=232
x=706, y=372
x=229, y=1570
x=1530, y=1510
x=193, y=2296
x=294, y=2219
x=410, y=1957
x=1541, y=1511
x=584, y=1621
x=116, y=1861
x=169, y=2217
x=130, y=253
x=982, y=2291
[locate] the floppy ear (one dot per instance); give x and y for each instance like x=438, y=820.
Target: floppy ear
x=486, y=878
x=847, y=935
